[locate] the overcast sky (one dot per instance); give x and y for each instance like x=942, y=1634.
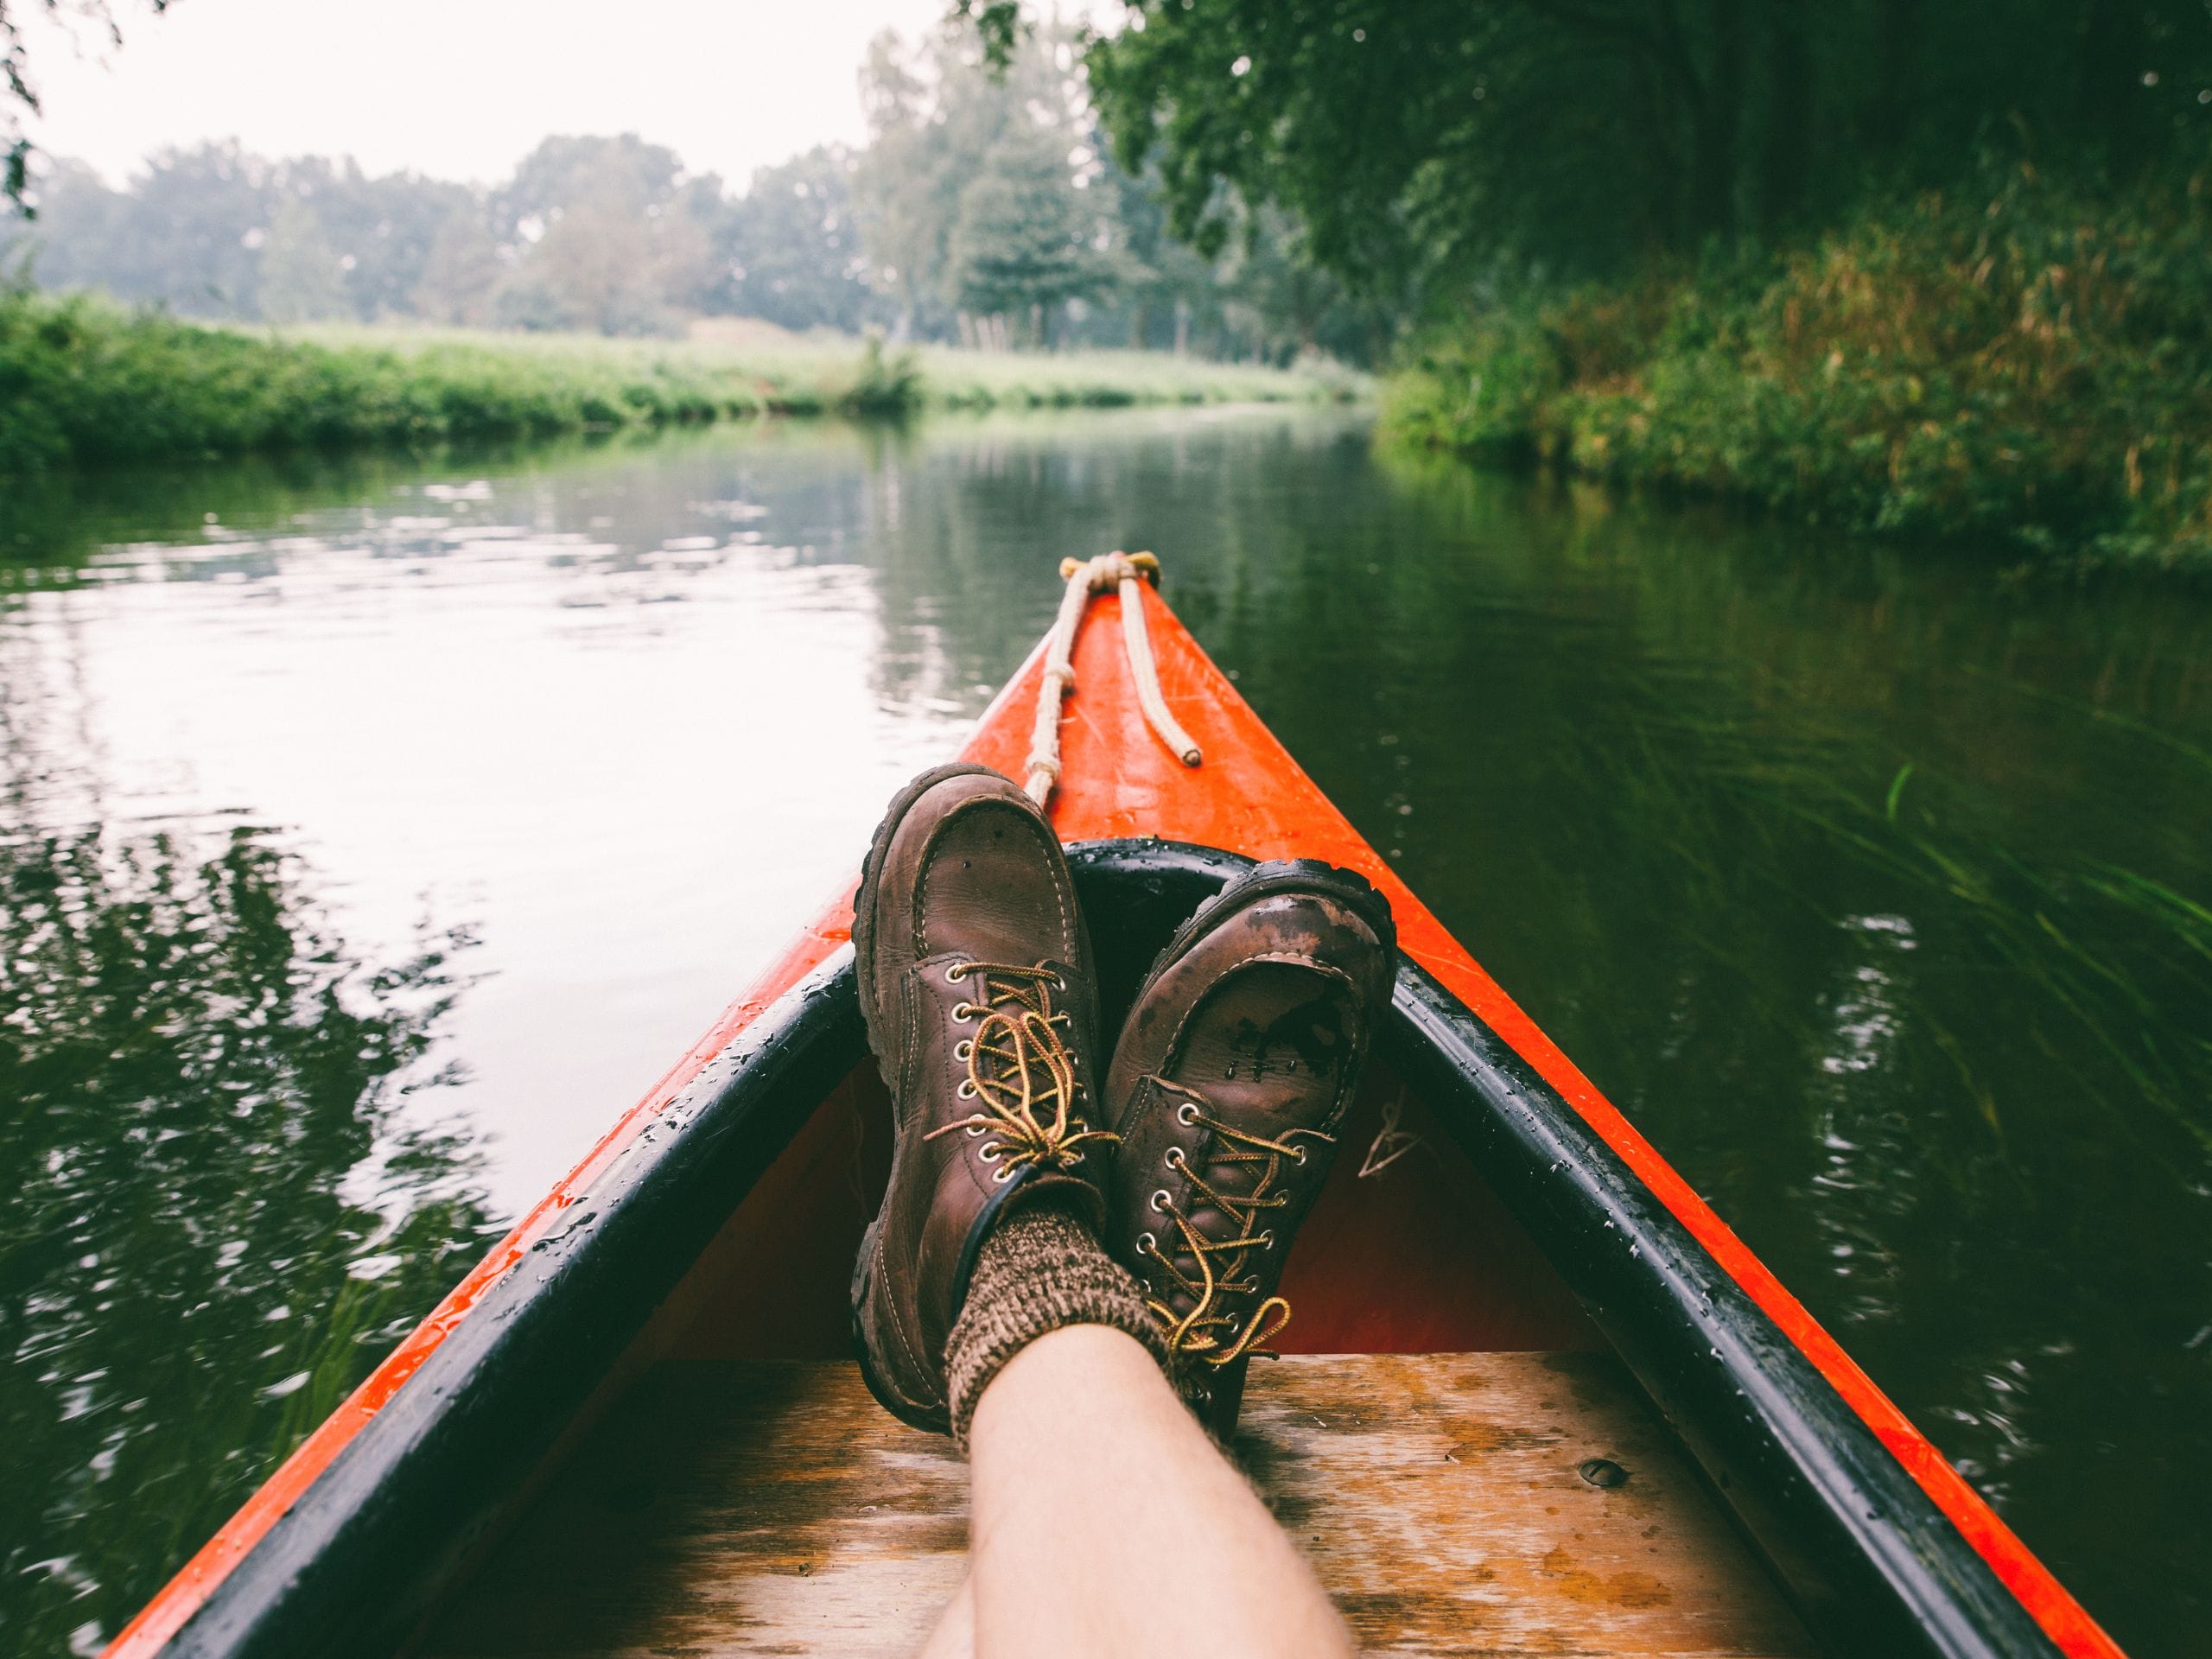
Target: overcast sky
x=465, y=88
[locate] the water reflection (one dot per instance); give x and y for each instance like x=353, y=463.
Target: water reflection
x=227, y=1195
x=1935, y=1040
x=1873, y=887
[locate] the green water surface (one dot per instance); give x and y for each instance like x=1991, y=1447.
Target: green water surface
x=372, y=834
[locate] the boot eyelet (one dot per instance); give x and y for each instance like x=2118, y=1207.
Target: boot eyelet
x=963, y=1011
x=1060, y=981
x=1003, y=1176
x=967, y=1088
x=1146, y=1242
x=955, y=974
x=990, y=1151
x=1187, y=1113
x=1298, y=1154
x=1159, y=1201
x=1268, y=1239
x=973, y=1129
x=1174, y=1159
x=963, y=1048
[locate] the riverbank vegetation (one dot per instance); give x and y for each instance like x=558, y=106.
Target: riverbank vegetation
x=1934, y=268
x=2012, y=362
x=1924, y=267
x=83, y=380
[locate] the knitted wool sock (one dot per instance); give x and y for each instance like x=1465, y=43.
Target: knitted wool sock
x=1039, y=1268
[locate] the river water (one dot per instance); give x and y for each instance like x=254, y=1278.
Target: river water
x=372, y=832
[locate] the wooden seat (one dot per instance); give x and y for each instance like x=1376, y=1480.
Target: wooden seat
x=731, y=1507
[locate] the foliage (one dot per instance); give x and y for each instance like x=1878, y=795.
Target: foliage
x=1022, y=244
x=975, y=189
x=790, y=248
x=603, y=234
x=993, y=211
x=1424, y=141
x=2024, y=363
x=81, y=380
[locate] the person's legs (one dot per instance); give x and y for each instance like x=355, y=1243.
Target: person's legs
x=1092, y=1481
x=1104, y=1518
x=954, y=1635
x=1104, y=1522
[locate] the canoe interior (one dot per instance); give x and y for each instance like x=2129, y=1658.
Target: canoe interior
x=1407, y=1251
x=1467, y=1198
x=735, y=1490
x=730, y=1507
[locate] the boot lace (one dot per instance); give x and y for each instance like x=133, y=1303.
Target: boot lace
x=1210, y=1331
x=1019, y=1071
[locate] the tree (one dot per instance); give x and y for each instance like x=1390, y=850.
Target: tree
x=383, y=229
x=605, y=235
x=974, y=190
x=301, y=279
x=460, y=271
x=79, y=221
x=1022, y=244
x=1421, y=142
x=790, y=248
x=940, y=113
x=191, y=232
x=927, y=132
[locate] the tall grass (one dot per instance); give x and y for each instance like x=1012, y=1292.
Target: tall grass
x=81, y=380
x=2023, y=362
x=963, y=380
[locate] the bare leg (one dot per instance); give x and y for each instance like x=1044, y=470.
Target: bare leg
x=955, y=1635
x=1104, y=1522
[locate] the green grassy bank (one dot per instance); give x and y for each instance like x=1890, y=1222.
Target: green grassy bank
x=84, y=380
x=2026, y=363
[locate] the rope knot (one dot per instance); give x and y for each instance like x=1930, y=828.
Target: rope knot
x=1085, y=578
x=1111, y=570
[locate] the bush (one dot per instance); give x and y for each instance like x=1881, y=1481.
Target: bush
x=2021, y=363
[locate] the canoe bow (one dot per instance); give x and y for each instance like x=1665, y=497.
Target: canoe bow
x=1248, y=797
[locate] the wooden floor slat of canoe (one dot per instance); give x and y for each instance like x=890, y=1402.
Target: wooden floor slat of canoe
x=729, y=1508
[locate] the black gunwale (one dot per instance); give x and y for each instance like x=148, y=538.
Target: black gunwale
x=359, y=1560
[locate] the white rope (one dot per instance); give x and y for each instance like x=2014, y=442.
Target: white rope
x=1085, y=578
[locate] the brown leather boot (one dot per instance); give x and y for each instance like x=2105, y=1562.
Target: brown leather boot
x=1237, y=1064
x=975, y=983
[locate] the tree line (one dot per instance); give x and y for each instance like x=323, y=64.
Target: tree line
x=985, y=207
x=1429, y=145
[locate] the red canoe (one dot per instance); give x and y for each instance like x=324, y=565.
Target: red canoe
x=677, y=1305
